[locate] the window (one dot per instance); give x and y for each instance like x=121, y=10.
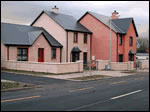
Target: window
x=7, y=52
x=53, y=53
x=120, y=39
x=75, y=37
x=22, y=54
x=120, y=58
x=131, y=41
x=85, y=38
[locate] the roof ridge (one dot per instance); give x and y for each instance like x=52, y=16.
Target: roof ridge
x=98, y=13
x=33, y=32
x=124, y=18
x=59, y=13
x=20, y=25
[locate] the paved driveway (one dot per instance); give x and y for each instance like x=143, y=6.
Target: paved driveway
x=30, y=79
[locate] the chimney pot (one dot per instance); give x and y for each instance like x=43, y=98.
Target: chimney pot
x=55, y=9
x=114, y=15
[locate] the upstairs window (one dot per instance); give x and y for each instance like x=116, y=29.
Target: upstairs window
x=22, y=54
x=85, y=38
x=75, y=37
x=131, y=41
x=7, y=52
x=53, y=53
x=120, y=39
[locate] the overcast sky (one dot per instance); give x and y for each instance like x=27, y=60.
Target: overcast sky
x=24, y=12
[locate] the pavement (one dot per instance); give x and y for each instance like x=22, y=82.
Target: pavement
x=88, y=73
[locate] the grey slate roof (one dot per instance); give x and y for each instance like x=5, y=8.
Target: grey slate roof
x=66, y=21
x=118, y=25
x=76, y=49
x=13, y=34
x=131, y=52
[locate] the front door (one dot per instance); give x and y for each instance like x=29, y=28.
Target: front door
x=85, y=58
x=75, y=56
x=40, y=54
x=131, y=57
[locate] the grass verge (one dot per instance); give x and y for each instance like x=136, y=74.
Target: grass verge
x=131, y=71
x=93, y=77
x=13, y=85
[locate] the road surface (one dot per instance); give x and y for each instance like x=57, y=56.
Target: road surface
x=128, y=93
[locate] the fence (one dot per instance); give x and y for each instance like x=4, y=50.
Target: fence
x=46, y=67
x=100, y=65
x=144, y=64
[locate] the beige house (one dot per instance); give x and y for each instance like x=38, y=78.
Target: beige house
x=74, y=37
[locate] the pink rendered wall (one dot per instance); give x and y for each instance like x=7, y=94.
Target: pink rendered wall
x=3, y=54
x=100, y=38
x=84, y=47
x=55, y=30
x=12, y=53
x=41, y=42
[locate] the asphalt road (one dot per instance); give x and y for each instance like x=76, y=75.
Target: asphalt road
x=129, y=93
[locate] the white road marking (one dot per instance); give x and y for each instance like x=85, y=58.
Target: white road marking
x=103, y=101
x=126, y=94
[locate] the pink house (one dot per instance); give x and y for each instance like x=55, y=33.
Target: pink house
x=123, y=33
x=27, y=43
x=75, y=38
x=53, y=37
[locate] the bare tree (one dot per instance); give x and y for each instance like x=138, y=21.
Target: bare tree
x=143, y=44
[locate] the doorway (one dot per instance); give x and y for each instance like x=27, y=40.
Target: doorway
x=40, y=54
x=85, y=58
x=75, y=56
x=131, y=57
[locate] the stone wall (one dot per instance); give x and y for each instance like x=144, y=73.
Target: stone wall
x=144, y=64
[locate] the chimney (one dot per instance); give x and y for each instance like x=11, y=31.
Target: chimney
x=55, y=9
x=115, y=15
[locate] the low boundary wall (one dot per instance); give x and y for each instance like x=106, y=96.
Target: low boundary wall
x=56, y=68
x=100, y=65
x=144, y=64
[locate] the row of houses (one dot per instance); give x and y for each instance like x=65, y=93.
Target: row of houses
x=57, y=38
